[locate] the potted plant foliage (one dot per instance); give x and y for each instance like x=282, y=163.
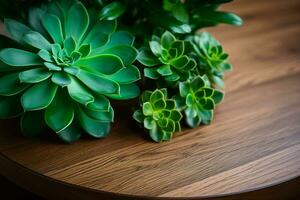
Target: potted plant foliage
x=64, y=60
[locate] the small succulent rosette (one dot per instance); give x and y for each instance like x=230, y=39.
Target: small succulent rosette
x=64, y=67
x=198, y=101
x=158, y=114
x=166, y=58
x=212, y=60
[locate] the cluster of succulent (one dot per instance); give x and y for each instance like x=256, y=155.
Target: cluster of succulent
x=211, y=58
x=64, y=60
x=63, y=68
x=158, y=114
x=166, y=58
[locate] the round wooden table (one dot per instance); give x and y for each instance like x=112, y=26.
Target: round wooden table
x=253, y=142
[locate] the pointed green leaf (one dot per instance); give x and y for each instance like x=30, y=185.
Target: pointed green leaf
x=170, y=127
x=126, y=53
x=70, y=134
x=156, y=134
x=70, y=45
x=151, y=73
x=129, y=91
x=165, y=70
x=112, y=11
x=218, y=81
x=36, y=40
x=173, y=53
x=147, y=58
x=210, y=105
x=172, y=78
x=175, y=115
x=156, y=95
x=180, y=13
x=10, y=84
x=147, y=109
x=100, y=103
x=93, y=127
x=71, y=70
x=180, y=62
x=61, y=78
x=193, y=122
x=16, y=29
x=126, y=75
x=197, y=83
x=17, y=57
x=149, y=123
x=120, y=38
x=215, y=17
x=218, y=96
x=98, y=84
x=34, y=75
x=79, y=16
x=79, y=92
x=184, y=89
x=103, y=116
x=170, y=104
x=159, y=104
x=208, y=91
x=182, y=29
x=179, y=46
x=99, y=34
x=53, y=26
x=167, y=39
x=105, y=64
x=45, y=55
x=190, y=112
x=206, y=116
x=85, y=50
x=38, y=96
x=60, y=113
x=52, y=66
x=155, y=48
x=138, y=116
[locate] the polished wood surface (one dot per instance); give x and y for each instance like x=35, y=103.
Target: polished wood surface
x=253, y=142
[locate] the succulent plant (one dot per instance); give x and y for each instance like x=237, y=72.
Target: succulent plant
x=166, y=59
x=198, y=101
x=158, y=114
x=211, y=58
x=65, y=65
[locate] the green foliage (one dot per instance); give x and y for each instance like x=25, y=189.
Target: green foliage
x=63, y=67
x=198, y=101
x=158, y=114
x=66, y=59
x=179, y=17
x=212, y=61
x=166, y=57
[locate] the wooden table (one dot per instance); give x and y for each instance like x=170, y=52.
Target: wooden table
x=253, y=143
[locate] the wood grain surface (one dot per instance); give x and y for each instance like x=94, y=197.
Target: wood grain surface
x=253, y=142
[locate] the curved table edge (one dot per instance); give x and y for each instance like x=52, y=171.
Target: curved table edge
x=44, y=186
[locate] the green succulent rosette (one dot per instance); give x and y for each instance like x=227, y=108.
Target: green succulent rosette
x=212, y=60
x=198, y=101
x=158, y=114
x=65, y=66
x=167, y=59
